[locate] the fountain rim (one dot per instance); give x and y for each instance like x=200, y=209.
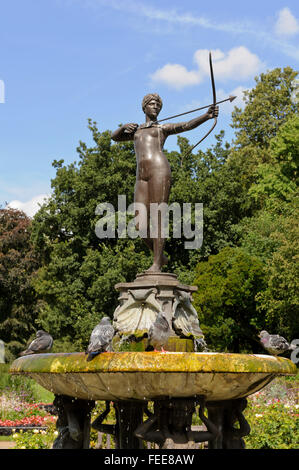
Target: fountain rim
x=153, y=362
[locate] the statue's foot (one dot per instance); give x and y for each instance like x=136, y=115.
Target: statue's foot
x=154, y=268
x=157, y=267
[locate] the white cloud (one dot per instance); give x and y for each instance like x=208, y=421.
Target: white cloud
x=29, y=207
x=176, y=76
x=286, y=24
x=238, y=63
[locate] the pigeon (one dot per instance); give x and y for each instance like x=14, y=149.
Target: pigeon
x=42, y=344
x=275, y=344
x=100, y=338
x=159, y=332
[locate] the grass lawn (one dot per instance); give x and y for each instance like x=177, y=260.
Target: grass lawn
x=21, y=383
x=6, y=439
x=42, y=395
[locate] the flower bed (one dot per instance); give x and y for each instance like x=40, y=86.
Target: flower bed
x=273, y=415
x=35, y=439
x=16, y=413
x=33, y=421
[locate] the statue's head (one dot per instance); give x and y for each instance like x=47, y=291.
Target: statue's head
x=148, y=99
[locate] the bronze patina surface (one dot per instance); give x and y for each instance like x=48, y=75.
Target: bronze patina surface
x=153, y=173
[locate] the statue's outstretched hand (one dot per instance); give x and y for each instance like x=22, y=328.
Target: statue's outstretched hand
x=130, y=128
x=213, y=111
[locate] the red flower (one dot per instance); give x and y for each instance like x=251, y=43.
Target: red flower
x=29, y=421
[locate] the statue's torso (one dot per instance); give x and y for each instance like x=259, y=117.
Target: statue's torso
x=148, y=143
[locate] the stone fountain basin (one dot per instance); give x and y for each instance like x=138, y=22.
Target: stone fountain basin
x=153, y=375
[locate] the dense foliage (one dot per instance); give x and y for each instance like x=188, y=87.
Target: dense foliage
x=18, y=265
x=225, y=301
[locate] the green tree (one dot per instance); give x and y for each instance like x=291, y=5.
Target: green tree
x=276, y=181
x=272, y=236
x=272, y=233
x=280, y=299
x=225, y=301
x=76, y=282
x=18, y=266
x=205, y=177
x=268, y=106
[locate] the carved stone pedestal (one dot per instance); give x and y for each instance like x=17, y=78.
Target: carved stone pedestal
x=141, y=300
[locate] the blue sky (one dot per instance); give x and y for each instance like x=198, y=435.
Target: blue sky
x=64, y=61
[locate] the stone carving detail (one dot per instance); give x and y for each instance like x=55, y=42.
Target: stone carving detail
x=225, y=415
x=170, y=425
x=184, y=316
x=138, y=311
x=140, y=302
x=73, y=423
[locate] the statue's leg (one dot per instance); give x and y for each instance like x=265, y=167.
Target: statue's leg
x=73, y=422
x=216, y=415
x=141, y=196
x=224, y=415
x=159, y=188
x=129, y=415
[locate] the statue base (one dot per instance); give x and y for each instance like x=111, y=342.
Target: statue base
x=139, y=303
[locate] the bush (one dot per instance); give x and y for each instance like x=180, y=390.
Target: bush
x=36, y=439
x=272, y=427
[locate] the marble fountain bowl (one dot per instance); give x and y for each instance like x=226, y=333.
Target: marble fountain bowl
x=150, y=376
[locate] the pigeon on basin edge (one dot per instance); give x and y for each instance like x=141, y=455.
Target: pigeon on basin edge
x=159, y=332
x=275, y=344
x=42, y=344
x=100, y=338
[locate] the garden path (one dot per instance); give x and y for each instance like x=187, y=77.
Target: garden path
x=7, y=444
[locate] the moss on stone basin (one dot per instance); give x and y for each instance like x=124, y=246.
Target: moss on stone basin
x=153, y=375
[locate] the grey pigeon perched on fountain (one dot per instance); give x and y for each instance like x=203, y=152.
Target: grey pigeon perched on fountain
x=159, y=332
x=42, y=344
x=100, y=339
x=275, y=344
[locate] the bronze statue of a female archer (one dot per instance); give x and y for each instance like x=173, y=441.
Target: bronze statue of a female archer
x=153, y=175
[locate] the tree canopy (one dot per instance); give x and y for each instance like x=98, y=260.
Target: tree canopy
x=19, y=263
